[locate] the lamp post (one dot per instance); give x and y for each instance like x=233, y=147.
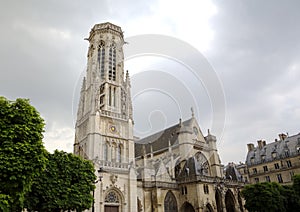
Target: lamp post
x=100, y=173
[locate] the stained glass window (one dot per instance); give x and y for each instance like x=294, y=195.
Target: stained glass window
x=112, y=197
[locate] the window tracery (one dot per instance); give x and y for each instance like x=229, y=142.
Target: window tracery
x=112, y=63
x=101, y=58
x=112, y=197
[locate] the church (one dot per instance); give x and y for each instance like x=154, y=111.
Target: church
x=175, y=170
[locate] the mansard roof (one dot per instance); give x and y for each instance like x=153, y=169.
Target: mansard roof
x=282, y=148
x=160, y=140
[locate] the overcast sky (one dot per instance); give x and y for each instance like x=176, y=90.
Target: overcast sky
x=253, y=47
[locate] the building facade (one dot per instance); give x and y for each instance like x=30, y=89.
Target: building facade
x=177, y=169
x=274, y=162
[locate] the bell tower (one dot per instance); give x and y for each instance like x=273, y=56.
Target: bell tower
x=104, y=126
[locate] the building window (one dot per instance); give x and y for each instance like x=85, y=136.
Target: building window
x=183, y=190
x=113, y=152
x=170, y=204
x=268, y=179
x=252, y=160
x=279, y=177
x=287, y=153
x=265, y=168
x=276, y=166
x=205, y=188
x=289, y=163
x=298, y=149
x=112, y=63
x=109, y=96
x=263, y=158
x=254, y=171
x=274, y=154
x=112, y=197
x=101, y=58
x=119, y=154
x=256, y=180
x=105, y=150
x=114, y=97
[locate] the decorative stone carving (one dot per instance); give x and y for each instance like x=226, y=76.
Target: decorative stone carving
x=113, y=178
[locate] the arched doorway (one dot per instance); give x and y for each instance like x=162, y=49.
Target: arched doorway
x=209, y=208
x=229, y=201
x=112, y=201
x=218, y=197
x=187, y=207
x=170, y=203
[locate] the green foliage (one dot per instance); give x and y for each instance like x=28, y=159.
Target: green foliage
x=296, y=184
x=262, y=197
x=66, y=184
x=291, y=199
x=4, y=202
x=22, y=154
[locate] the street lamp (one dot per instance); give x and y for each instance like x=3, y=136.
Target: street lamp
x=100, y=174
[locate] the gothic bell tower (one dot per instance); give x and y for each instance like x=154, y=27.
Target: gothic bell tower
x=104, y=127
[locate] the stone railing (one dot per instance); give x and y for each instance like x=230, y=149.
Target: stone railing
x=109, y=164
x=211, y=180
x=114, y=115
x=158, y=184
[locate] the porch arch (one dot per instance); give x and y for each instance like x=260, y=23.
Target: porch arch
x=229, y=201
x=113, y=201
x=187, y=207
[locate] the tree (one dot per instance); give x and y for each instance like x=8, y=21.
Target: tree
x=296, y=184
x=291, y=199
x=263, y=197
x=66, y=184
x=22, y=154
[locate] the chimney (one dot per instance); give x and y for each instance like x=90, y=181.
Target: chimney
x=259, y=143
x=282, y=136
x=264, y=143
x=250, y=147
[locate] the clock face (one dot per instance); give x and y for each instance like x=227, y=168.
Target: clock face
x=113, y=128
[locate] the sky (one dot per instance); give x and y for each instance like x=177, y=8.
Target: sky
x=252, y=48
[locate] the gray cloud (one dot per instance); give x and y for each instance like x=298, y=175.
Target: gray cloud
x=255, y=50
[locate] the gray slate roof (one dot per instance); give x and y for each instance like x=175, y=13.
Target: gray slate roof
x=160, y=140
x=282, y=148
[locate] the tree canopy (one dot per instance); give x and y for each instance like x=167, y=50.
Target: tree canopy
x=22, y=154
x=263, y=197
x=66, y=184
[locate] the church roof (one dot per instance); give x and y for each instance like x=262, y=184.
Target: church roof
x=160, y=140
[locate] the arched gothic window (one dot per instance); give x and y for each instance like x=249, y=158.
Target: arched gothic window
x=113, y=152
x=101, y=58
x=112, y=63
x=170, y=203
x=105, y=150
x=119, y=154
x=201, y=164
x=109, y=96
x=114, y=97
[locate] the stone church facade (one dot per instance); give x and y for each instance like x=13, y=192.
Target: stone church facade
x=177, y=169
